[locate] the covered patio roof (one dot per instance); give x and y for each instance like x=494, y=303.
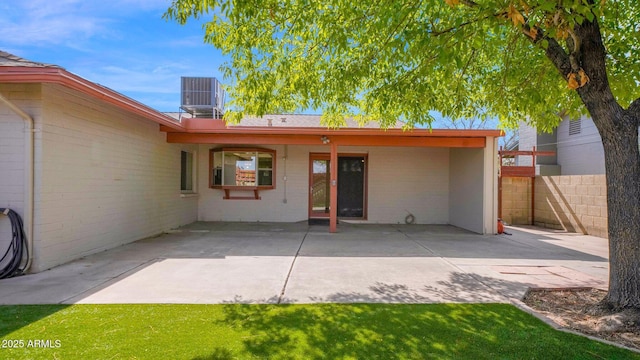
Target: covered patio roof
x=215, y=131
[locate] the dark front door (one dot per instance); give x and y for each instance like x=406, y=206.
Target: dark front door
x=351, y=178
x=351, y=186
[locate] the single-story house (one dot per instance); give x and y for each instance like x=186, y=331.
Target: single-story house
x=90, y=169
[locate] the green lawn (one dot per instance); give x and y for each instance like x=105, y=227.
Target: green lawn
x=326, y=331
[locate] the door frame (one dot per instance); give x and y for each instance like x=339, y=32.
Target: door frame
x=365, y=185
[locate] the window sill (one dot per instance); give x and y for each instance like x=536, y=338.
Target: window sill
x=256, y=194
x=189, y=195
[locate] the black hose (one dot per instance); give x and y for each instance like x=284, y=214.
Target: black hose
x=17, y=248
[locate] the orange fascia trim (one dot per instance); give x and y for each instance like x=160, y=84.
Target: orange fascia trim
x=244, y=139
x=53, y=75
x=342, y=140
x=217, y=126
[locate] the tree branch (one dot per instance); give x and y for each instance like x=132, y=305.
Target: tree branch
x=559, y=58
x=459, y=26
x=554, y=51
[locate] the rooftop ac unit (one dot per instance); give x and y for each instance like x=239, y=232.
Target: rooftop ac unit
x=202, y=97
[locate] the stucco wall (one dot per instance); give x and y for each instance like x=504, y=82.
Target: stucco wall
x=580, y=154
x=400, y=180
x=573, y=203
x=104, y=178
x=516, y=200
x=466, y=189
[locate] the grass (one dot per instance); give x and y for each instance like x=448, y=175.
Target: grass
x=324, y=331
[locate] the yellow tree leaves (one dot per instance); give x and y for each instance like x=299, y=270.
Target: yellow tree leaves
x=514, y=15
x=572, y=83
x=577, y=79
x=452, y=3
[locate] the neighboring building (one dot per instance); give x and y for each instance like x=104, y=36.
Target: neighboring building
x=569, y=190
x=108, y=170
x=577, y=145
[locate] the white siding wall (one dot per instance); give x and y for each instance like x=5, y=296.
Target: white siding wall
x=580, y=154
x=105, y=178
x=466, y=189
x=12, y=152
x=400, y=180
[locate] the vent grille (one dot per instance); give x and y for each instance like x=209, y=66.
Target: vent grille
x=575, y=127
x=202, y=97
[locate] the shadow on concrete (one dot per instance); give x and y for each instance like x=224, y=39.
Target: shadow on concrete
x=459, y=288
x=468, y=287
x=219, y=241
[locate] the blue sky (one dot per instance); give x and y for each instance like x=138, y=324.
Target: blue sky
x=122, y=44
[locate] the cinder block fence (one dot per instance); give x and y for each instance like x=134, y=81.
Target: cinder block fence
x=576, y=203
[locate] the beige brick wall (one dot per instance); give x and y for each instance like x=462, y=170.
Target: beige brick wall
x=516, y=200
x=104, y=177
x=400, y=180
x=572, y=202
x=12, y=152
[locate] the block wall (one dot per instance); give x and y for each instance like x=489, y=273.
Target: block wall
x=516, y=200
x=400, y=181
x=575, y=203
x=12, y=151
x=104, y=177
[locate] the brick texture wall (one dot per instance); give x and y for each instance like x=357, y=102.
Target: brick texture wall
x=516, y=200
x=574, y=203
x=104, y=178
x=12, y=152
x=392, y=176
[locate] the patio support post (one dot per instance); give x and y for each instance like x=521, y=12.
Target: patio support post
x=333, y=204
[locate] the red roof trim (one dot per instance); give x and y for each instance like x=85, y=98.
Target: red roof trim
x=52, y=75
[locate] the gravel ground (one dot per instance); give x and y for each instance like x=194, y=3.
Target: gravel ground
x=577, y=309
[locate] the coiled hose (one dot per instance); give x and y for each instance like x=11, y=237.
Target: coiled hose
x=17, y=248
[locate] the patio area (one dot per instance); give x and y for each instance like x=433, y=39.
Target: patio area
x=213, y=262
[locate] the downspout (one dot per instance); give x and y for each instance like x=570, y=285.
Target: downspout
x=29, y=184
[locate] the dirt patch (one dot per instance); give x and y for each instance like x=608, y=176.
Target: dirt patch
x=577, y=309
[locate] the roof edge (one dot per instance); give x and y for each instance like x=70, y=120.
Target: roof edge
x=217, y=126
x=56, y=75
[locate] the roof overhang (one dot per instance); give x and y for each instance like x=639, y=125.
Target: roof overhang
x=212, y=131
x=55, y=75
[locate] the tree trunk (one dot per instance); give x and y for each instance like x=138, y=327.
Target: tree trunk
x=618, y=129
x=622, y=164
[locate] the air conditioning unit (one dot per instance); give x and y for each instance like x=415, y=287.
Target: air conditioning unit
x=202, y=97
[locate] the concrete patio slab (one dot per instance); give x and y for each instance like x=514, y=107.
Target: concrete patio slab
x=297, y=263
x=237, y=279
x=381, y=280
